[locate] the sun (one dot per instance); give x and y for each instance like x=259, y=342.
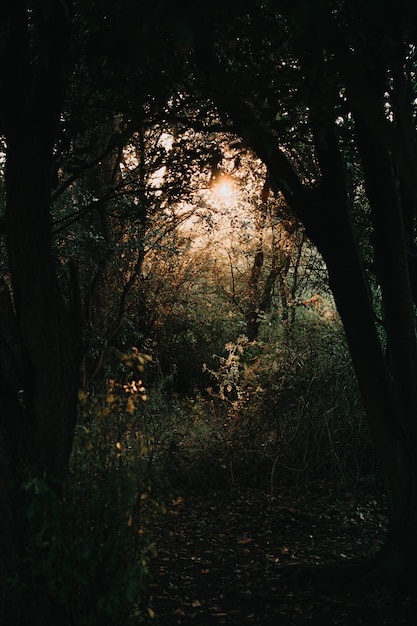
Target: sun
x=224, y=189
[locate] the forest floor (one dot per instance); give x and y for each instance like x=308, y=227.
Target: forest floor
x=221, y=560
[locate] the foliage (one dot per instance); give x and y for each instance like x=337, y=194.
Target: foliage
x=296, y=399
x=311, y=402
x=283, y=409
x=88, y=554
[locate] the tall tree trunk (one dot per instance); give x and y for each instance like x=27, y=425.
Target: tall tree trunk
x=253, y=306
x=47, y=330
x=39, y=340
x=392, y=269
x=40, y=379
x=388, y=389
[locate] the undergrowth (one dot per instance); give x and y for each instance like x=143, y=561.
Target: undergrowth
x=89, y=549
x=282, y=410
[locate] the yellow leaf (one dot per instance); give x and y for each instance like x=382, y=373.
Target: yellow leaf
x=245, y=541
x=195, y=603
x=151, y=613
x=118, y=445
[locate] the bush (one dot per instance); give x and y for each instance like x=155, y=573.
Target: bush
x=290, y=404
x=312, y=404
x=88, y=552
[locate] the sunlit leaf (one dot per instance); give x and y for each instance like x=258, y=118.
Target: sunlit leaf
x=82, y=395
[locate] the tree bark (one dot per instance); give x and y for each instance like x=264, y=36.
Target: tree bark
x=45, y=327
x=39, y=337
x=253, y=306
x=391, y=238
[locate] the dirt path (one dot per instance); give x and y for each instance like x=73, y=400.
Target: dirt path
x=220, y=562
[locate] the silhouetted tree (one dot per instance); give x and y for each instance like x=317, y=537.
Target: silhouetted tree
x=291, y=78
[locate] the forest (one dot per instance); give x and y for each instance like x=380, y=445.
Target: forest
x=208, y=290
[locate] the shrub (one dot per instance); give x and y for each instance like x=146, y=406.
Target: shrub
x=88, y=552
x=292, y=400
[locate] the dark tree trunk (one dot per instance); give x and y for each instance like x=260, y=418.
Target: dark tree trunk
x=39, y=337
x=389, y=403
x=387, y=386
x=391, y=244
x=39, y=359
x=388, y=406
x=46, y=329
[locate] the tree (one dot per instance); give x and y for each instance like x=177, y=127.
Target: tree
x=44, y=83
x=280, y=73
x=40, y=335
x=74, y=94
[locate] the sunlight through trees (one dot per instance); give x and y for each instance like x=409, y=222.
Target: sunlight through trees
x=208, y=269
